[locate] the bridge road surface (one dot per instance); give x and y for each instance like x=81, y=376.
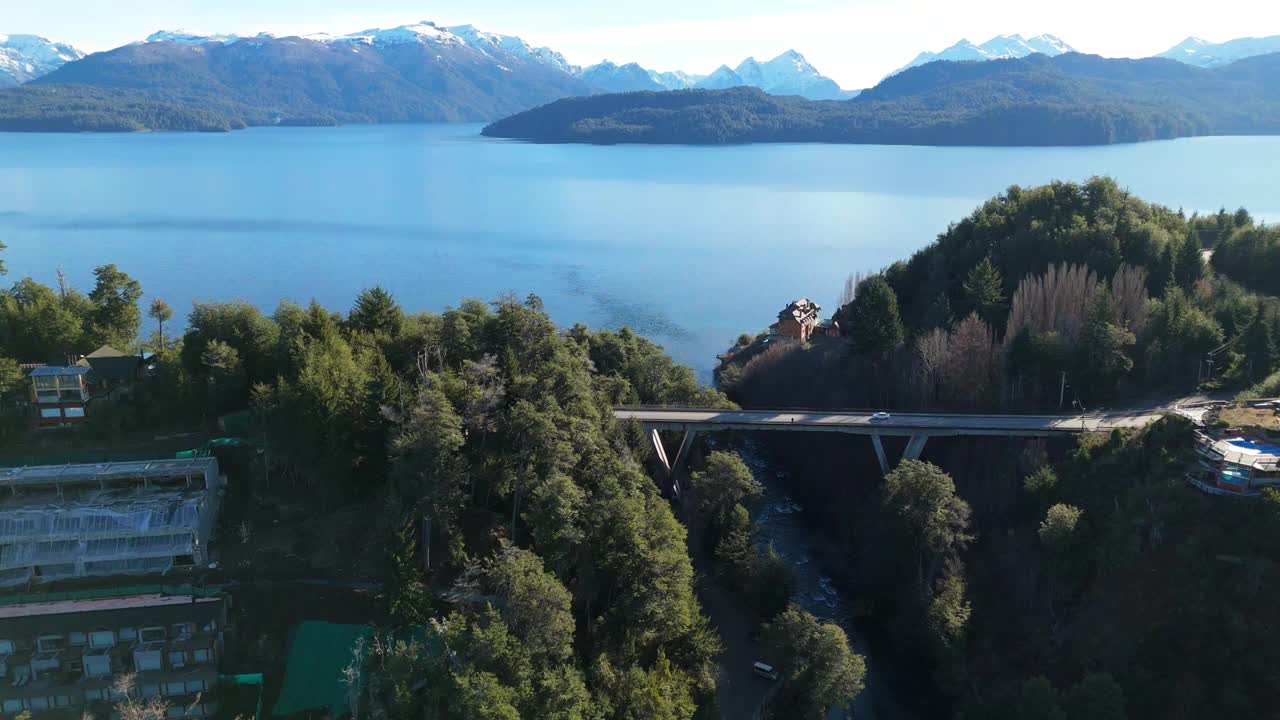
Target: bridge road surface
x=865, y=423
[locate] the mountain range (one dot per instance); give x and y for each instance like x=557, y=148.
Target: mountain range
x=420, y=72
x=27, y=57
x=1001, y=47
x=1069, y=99
x=1202, y=53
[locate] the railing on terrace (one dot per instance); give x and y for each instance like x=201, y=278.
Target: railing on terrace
x=1208, y=489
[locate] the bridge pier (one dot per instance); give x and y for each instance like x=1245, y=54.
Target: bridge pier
x=915, y=446
x=672, y=466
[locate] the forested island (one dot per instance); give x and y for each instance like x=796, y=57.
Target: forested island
x=1071, y=99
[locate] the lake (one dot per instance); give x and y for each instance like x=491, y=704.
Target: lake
x=688, y=245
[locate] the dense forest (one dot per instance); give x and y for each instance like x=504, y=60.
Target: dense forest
x=278, y=81
x=1068, y=100
x=477, y=443
x=1043, y=298
x=1032, y=579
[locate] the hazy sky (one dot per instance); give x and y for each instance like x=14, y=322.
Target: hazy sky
x=855, y=42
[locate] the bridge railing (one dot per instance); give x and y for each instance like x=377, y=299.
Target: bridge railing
x=857, y=411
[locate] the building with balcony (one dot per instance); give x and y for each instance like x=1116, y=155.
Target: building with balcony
x=125, y=518
x=60, y=394
x=798, y=319
x=1238, y=465
x=61, y=657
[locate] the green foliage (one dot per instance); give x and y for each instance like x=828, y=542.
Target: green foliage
x=376, y=312
x=408, y=597
x=726, y=483
x=762, y=578
x=1188, y=266
x=38, y=324
x=116, y=316
x=12, y=379
x=1059, y=526
x=1250, y=255
x=534, y=605
x=922, y=500
x=873, y=319
x=1040, y=700
x=816, y=665
x=1096, y=697
x=984, y=293
x=160, y=311
x=1268, y=388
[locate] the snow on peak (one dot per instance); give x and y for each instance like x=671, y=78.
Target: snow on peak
x=422, y=32
x=190, y=38
x=997, y=48
x=490, y=43
x=27, y=57
x=1195, y=51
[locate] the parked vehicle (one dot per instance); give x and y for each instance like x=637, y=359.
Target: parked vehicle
x=880, y=416
x=764, y=670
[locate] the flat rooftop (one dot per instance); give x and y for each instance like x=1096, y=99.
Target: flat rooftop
x=63, y=607
x=95, y=472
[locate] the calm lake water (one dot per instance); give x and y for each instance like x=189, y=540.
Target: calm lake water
x=688, y=245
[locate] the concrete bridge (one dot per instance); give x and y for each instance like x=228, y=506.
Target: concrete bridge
x=916, y=427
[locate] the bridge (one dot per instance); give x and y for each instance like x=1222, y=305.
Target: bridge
x=916, y=427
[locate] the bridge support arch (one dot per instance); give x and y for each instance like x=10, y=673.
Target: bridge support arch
x=672, y=466
x=915, y=446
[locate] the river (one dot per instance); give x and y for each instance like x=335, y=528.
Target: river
x=688, y=245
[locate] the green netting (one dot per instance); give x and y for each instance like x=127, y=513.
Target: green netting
x=318, y=653
x=210, y=591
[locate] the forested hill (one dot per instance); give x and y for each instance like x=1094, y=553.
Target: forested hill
x=272, y=81
x=1072, y=99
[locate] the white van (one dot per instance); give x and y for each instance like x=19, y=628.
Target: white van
x=764, y=670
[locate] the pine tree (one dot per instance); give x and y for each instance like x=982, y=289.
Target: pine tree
x=1188, y=264
x=407, y=595
x=875, y=324
x=984, y=293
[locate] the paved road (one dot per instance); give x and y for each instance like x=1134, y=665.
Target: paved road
x=865, y=423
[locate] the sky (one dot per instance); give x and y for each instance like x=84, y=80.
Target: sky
x=855, y=42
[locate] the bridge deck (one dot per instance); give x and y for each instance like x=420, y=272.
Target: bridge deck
x=864, y=423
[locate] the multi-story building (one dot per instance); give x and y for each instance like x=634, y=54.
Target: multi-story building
x=60, y=394
x=64, y=657
x=798, y=319
x=1237, y=465
x=125, y=518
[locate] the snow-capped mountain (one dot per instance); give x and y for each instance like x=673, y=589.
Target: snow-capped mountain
x=723, y=77
x=788, y=74
x=997, y=48
x=491, y=43
x=191, y=38
x=27, y=57
x=675, y=80
x=620, y=78
x=1194, y=51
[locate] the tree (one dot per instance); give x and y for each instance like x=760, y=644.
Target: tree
x=817, y=667
x=535, y=606
x=1103, y=353
x=726, y=482
x=225, y=373
x=408, y=597
x=3, y=270
x=1040, y=700
x=161, y=313
x=874, y=322
x=116, y=317
x=984, y=292
x=921, y=502
x=1258, y=344
x=12, y=380
x=376, y=312
x=1188, y=265
x=38, y=324
x=1096, y=697
x=1059, y=526
x=131, y=705
x=971, y=362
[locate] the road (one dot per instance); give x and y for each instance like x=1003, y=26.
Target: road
x=866, y=422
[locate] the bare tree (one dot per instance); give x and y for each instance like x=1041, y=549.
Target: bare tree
x=131, y=705
x=851, y=287
x=971, y=361
x=1129, y=291
x=1057, y=301
x=931, y=359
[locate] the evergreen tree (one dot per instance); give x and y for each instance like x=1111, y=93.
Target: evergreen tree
x=984, y=293
x=116, y=317
x=376, y=312
x=407, y=594
x=1188, y=265
x=874, y=322
x=726, y=483
x=1258, y=345
x=818, y=669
